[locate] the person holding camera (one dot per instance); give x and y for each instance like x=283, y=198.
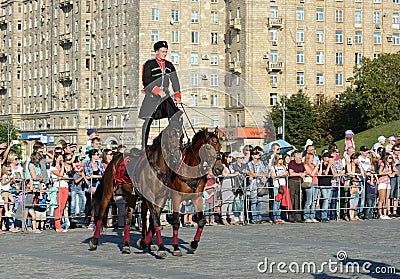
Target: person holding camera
x=258, y=184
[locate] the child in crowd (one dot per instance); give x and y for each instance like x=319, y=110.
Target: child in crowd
x=6, y=180
x=79, y=184
x=354, y=196
x=210, y=198
x=29, y=196
x=40, y=202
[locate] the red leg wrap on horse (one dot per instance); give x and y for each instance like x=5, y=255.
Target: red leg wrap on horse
x=158, y=235
x=127, y=234
x=98, y=228
x=198, y=234
x=175, y=237
x=148, y=238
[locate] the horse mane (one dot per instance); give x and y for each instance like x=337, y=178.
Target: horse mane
x=156, y=142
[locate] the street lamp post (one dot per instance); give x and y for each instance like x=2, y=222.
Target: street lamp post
x=283, y=117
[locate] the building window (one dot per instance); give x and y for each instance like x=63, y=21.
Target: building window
x=339, y=79
x=195, y=17
x=155, y=13
x=300, y=14
x=175, y=15
x=273, y=79
x=320, y=36
x=273, y=34
x=195, y=37
x=213, y=80
x=320, y=14
x=339, y=36
x=339, y=16
x=195, y=121
x=377, y=38
x=273, y=99
x=358, y=37
x=396, y=39
x=300, y=57
x=175, y=36
x=194, y=58
x=214, y=59
x=214, y=17
x=358, y=18
x=273, y=55
x=339, y=58
x=214, y=100
x=273, y=13
x=175, y=57
x=214, y=38
x=300, y=78
x=154, y=36
x=320, y=57
x=320, y=78
x=377, y=17
x=214, y=121
x=194, y=78
x=300, y=35
x=194, y=100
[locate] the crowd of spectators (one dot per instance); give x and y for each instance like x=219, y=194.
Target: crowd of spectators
x=301, y=186
x=54, y=186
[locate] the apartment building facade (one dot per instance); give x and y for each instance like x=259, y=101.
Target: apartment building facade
x=69, y=65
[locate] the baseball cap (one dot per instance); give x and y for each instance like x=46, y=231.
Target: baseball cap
x=392, y=138
x=364, y=148
x=237, y=154
x=381, y=138
x=90, y=131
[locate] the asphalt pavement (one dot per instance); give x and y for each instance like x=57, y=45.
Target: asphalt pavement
x=322, y=250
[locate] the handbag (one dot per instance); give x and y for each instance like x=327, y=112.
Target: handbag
x=237, y=206
x=262, y=189
x=306, y=182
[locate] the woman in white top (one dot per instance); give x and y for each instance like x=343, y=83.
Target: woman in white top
x=57, y=171
x=227, y=189
x=279, y=174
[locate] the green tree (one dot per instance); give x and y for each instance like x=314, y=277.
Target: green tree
x=374, y=96
x=325, y=114
x=299, y=118
x=8, y=133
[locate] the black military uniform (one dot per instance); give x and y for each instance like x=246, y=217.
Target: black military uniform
x=156, y=76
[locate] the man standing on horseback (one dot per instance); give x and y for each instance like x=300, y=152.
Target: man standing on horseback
x=157, y=72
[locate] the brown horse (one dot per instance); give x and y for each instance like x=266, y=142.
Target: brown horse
x=110, y=183
x=181, y=181
x=155, y=177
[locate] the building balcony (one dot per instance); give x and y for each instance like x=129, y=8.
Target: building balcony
x=275, y=66
x=276, y=22
x=65, y=76
x=3, y=54
x=65, y=3
x=235, y=23
x=3, y=20
x=235, y=66
x=65, y=39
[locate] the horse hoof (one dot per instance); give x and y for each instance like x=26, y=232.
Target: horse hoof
x=177, y=253
x=162, y=254
x=126, y=250
x=193, y=246
x=153, y=247
x=140, y=243
x=92, y=245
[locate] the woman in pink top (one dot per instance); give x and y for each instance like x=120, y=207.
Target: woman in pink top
x=311, y=193
x=58, y=175
x=385, y=172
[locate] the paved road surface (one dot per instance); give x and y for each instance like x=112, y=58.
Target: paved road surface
x=224, y=252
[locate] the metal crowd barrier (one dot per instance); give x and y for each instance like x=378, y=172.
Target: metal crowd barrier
x=338, y=202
